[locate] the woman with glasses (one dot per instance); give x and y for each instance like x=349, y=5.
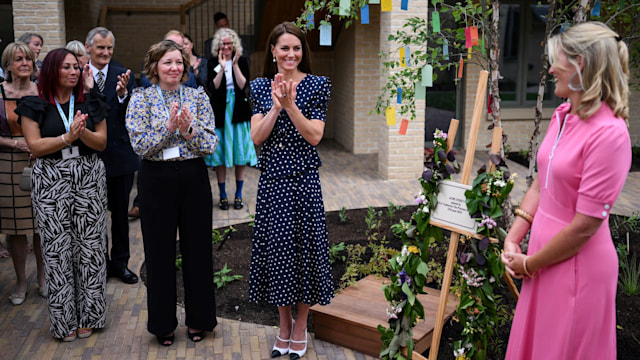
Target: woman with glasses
x=228, y=86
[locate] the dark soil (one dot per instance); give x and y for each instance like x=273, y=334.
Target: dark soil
x=232, y=301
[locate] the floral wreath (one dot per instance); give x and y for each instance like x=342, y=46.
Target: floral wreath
x=478, y=259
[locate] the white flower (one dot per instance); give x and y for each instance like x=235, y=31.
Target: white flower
x=425, y=209
x=499, y=183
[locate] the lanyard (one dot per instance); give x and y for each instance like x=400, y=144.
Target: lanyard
x=66, y=120
x=164, y=103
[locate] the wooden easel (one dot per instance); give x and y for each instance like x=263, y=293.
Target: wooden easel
x=465, y=179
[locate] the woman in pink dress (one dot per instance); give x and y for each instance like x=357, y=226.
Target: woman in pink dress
x=567, y=304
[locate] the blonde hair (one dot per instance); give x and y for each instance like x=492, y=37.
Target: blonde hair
x=605, y=74
x=9, y=54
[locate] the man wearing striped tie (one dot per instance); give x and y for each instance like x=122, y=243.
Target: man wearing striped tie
x=116, y=83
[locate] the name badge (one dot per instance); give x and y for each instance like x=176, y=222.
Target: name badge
x=70, y=152
x=171, y=153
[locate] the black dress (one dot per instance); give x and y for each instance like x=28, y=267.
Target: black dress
x=290, y=252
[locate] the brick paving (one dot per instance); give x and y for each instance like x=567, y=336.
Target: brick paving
x=348, y=180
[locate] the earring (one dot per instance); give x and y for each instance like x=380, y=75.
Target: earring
x=575, y=87
x=274, y=59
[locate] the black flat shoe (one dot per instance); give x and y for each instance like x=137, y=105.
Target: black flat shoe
x=200, y=335
x=237, y=203
x=165, y=340
x=127, y=276
x=224, y=204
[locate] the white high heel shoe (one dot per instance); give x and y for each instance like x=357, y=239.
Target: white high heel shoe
x=277, y=352
x=297, y=354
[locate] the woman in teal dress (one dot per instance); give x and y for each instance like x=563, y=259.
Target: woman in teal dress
x=228, y=86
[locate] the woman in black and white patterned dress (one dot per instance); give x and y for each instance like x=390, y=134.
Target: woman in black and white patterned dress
x=290, y=253
x=64, y=128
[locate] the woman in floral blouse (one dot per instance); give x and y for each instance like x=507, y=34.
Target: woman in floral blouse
x=172, y=128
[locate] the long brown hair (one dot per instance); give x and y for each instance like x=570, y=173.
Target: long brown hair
x=270, y=68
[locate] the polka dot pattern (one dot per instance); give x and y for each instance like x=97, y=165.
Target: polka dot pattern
x=290, y=252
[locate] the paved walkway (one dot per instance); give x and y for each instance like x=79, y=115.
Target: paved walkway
x=348, y=180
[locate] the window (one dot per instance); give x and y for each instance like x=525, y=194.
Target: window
x=521, y=32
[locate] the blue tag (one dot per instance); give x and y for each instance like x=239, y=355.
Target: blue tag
x=364, y=14
x=404, y=5
x=407, y=55
x=325, y=35
x=310, y=21
x=596, y=9
x=445, y=49
x=399, y=99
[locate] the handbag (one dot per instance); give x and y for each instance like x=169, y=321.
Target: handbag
x=25, y=179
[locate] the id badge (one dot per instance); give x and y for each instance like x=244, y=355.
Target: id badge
x=70, y=152
x=171, y=153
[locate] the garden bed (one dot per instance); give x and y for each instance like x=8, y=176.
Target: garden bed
x=232, y=301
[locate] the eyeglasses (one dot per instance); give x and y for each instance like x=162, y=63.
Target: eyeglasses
x=227, y=44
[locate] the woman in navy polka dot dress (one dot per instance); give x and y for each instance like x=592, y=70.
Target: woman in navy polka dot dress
x=290, y=255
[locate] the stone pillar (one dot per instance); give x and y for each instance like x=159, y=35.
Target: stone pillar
x=400, y=156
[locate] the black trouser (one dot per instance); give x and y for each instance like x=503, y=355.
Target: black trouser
x=177, y=197
x=118, y=189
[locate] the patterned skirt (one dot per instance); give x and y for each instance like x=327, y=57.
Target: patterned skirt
x=235, y=146
x=290, y=251
x=16, y=211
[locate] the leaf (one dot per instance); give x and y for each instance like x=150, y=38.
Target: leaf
x=423, y=269
x=411, y=297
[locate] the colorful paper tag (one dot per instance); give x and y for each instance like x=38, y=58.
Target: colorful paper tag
x=345, y=8
x=364, y=14
x=420, y=91
x=467, y=37
x=399, y=96
x=403, y=61
x=325, y=35
x=474, y=36
x=385, y=5
x=427, y=76
x=407, y=55
x=445, y=49
x=403, y=127
x=404, y=5
x=374, y=1
x=435, y=21
x=391, y=115
x=460, y=67
x=596, y=9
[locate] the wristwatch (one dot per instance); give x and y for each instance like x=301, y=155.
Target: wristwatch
x=188, y=132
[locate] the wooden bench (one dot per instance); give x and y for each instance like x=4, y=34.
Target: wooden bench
x=352, y=318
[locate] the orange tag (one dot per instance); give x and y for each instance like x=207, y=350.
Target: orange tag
x=460, y=68
x=403, y=127
x=474, y=36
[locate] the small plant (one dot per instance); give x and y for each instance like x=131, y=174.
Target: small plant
x=222, y=277
x=344, y=218
x=252, y=223
x=373, y=223
x=625, y=224
x=392, y=209
x=217, y=237
x=179, y=262
x=524, y=153
x=334, y=252
x=629, y=278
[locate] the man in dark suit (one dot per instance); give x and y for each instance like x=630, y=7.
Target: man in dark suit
x=116, y=83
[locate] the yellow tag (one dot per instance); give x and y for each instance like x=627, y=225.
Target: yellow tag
x=385, y=5
x=391, y=115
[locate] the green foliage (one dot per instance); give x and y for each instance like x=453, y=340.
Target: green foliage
x=223, y=277
x=334, y=252
x=252, y=223
x=373, y=223
x=427, y=49
x=343, y=215
x=410, y=269
x=392, y=208
x=479, y=264
x=629, y=278
x=217, y=237
x=620, y=225
x=332, y=8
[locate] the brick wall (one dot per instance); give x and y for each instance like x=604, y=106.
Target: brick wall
x=400, y=156
x=343, y=96
x=43, y=17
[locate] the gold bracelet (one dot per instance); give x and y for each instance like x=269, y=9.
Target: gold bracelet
x=524, y=267
x=525, y=215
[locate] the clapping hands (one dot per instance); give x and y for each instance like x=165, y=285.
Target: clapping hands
x=283, y=93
